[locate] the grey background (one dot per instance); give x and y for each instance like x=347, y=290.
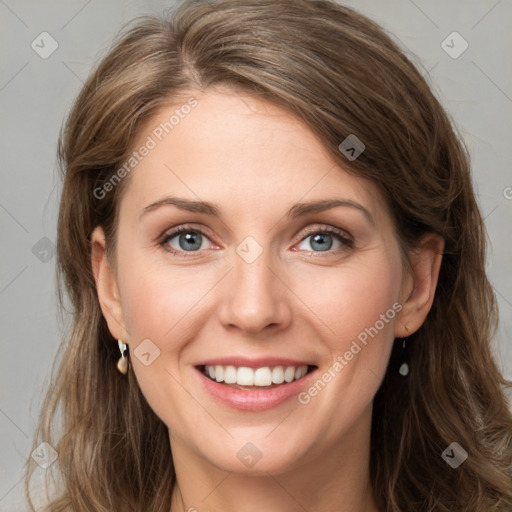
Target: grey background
x=36, y=93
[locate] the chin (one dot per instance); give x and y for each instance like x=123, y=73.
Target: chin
x=255, y=458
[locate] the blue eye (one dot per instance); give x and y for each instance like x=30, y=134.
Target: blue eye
x=189, y=240
x=323, y=240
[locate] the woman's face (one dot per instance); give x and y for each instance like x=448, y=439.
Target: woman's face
x=284, y=261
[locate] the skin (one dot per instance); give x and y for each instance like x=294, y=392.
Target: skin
x=254, y=161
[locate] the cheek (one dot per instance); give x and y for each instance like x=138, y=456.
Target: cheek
x=350, y=299
x=162, y=306
x=357, y=308
x=156, y=301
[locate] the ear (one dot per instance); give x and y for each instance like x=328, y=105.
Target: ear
x=106, y=286
x=419, y=284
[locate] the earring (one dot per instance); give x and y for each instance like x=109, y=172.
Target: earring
x=404, y=367
x=122, y=363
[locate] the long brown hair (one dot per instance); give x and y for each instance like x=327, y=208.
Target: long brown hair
x=341, y=74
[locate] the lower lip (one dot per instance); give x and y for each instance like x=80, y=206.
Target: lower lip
x=257, y=400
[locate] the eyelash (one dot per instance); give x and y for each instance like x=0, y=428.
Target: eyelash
x=339, y=235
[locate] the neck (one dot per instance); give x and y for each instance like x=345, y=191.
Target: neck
x=336, y=478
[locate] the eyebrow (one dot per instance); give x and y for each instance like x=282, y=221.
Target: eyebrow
x=297, y=210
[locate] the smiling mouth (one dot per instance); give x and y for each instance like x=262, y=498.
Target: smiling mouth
x=266, y=377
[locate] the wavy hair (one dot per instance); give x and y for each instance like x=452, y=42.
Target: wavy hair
x=341, y=74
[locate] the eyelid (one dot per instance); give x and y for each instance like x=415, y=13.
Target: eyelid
x=327, y=229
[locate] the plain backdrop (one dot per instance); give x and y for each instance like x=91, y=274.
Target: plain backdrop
x=37, y=89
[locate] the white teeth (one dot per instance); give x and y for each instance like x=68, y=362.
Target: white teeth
x=219, y=373
x=289, y=374
x=230, y=375
x=244, y=376
x=278, y=375
x=264, y=376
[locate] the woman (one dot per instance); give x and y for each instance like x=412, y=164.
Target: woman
x=276, y=261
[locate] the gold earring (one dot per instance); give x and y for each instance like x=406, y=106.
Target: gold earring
x=122, y=363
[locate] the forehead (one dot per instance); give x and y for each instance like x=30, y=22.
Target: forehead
x=237, y=150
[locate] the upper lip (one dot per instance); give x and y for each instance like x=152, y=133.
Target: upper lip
x=258, y=362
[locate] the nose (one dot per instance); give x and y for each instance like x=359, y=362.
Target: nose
x=255, y=298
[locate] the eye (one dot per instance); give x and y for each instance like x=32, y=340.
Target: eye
x=184, y=239
x=322, y=240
